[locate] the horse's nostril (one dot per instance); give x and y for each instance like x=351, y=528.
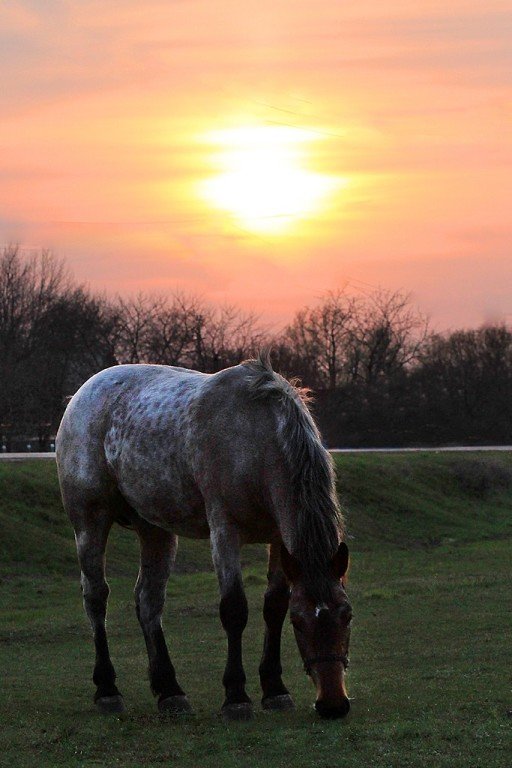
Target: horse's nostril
x=330, y=712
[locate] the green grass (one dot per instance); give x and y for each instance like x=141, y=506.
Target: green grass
x=431, y=654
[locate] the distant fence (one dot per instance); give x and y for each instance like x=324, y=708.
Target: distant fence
x=26, y=444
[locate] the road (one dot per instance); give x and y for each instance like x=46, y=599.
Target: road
x=449, y=449
x=431, y=449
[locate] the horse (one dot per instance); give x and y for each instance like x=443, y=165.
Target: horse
x=234, y=456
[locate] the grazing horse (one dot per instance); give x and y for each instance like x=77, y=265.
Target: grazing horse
x=233, y=456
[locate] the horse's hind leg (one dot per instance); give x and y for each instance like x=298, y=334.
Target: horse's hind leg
x=91, y=541
x=277, y=597
x=157, y=553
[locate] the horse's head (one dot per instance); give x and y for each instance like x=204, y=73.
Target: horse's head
x=322, y=631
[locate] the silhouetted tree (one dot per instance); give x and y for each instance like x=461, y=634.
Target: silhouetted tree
x=320, y=341
x=53, y=336
x=388, y=335
x=465, y=381
x=379, y=376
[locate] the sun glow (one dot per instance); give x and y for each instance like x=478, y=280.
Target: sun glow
x=263, y=179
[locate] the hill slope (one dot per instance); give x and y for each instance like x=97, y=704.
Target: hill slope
x=400, y=500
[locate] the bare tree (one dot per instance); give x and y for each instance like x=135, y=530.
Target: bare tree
x=136, y=321
x=28, y=287
x=388, y=335
x=53, y=335
x=225, y=336
x=185, y=330
x=320, y=340
x=470, y=370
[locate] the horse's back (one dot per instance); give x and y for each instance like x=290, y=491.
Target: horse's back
x=171, y=441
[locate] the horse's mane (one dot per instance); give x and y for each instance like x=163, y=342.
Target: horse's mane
x=319, y=520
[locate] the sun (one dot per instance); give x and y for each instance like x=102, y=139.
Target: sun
x=262, y=177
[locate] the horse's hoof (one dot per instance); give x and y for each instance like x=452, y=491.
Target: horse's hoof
x=278, y=703
x=110, y=704
x=175, y=705
x=233, y=712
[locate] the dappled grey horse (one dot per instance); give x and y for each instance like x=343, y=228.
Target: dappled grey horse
x=234, y=456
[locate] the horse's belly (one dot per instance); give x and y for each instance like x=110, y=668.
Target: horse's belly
x=174, y=506
x=258, y=528
x=183, y=520
x=196, y=528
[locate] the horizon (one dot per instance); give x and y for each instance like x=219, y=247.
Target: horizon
x=262, y=160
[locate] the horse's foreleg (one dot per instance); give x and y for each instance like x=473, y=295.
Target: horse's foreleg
x=157, y=553
x=233, y=615
x=91, y=543
x=277, y=597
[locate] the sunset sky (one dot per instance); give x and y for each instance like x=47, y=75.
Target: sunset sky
x=262, y=153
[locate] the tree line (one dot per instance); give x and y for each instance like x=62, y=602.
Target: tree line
x=378, y=374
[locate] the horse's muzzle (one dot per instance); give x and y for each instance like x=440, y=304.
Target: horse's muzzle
x=330, y=712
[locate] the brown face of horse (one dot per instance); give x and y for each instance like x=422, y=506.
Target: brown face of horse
x=322, y=631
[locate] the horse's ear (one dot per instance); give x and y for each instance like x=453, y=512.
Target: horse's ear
x=339, y=563
x=291, y=565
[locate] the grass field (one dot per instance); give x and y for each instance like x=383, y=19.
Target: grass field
x=431, y=656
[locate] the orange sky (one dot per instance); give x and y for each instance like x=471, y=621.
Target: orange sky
x=365, y=143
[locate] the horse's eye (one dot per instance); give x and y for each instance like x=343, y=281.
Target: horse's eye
x=345, y=614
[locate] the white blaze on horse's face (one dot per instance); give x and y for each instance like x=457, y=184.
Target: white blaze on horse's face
x=320, y=607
